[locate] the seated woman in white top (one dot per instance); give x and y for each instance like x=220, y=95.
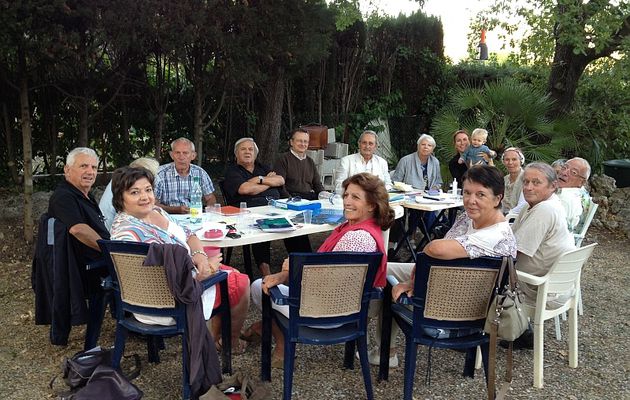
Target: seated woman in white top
x=481, y=231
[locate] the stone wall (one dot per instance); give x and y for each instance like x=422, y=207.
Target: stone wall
x=614, y=204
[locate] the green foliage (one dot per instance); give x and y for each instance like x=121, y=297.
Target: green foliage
x=586, y=26
x=603, y=109
x=513, y=113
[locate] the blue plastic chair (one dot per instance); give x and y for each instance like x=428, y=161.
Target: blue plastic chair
x=325, y=289
x=451, y=299
x=144, y=290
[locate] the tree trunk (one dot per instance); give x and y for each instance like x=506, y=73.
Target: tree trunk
x=566, y=70
x=82, y=140
x=268, y=131
x=25, y=117
x=198, y=123
x=157, y=139
x=124, y=134
x=8, y=131
x=49, y=110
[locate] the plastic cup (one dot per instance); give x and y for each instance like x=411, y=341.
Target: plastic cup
x=308, y=216
x=211, y=251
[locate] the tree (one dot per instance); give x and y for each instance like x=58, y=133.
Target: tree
x=28, y=44
x=513, y=113
x=290, y=35
x=582, y=32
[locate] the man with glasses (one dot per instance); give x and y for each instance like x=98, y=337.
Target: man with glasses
x=301, y=178
x=572, y=194
x=364, y=161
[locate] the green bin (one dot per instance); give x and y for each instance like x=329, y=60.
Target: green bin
x=620, y=170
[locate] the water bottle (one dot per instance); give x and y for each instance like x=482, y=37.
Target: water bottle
x=334, y=199
x=454, y=187
x=196, y=207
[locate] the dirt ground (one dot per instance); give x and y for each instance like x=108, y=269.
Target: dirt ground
x=28, y=361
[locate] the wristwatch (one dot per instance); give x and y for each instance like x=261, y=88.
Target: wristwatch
x=260, y=179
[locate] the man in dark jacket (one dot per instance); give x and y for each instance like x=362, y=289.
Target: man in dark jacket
x=60, y=278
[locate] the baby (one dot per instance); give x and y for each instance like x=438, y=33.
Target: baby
x=474, y=153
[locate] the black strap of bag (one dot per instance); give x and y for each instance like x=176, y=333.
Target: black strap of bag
x=492, y=355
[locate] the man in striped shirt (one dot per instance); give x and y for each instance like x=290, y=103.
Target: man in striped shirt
x=173, y=183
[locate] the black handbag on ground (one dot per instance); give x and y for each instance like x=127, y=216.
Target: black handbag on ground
x=106, y=383
x=90, y=376
x=78, y=369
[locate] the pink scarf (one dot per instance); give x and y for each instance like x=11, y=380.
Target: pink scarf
x=374, y=230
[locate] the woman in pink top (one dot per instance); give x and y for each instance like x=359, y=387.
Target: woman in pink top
x=367, y=212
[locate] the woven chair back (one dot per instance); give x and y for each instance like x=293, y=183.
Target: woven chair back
x=332, y=290
x=459, y=294
x=142, y=285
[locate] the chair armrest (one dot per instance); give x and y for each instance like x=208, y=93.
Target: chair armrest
x=277, y=297
x=404, y=299
x=107, y=283
x=531, y=279
x=96, y=264
x=217, y=277
x=376, y=294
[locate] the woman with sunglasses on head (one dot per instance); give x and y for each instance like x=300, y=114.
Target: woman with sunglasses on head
x=368, y=214
x=513, y=159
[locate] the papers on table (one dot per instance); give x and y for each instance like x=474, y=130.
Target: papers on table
x=279, y=224
x=425, y=199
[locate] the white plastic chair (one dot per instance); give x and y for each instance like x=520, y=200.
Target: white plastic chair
x=579, y=236
x=563, y=279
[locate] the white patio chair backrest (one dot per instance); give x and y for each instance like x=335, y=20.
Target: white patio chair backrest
x=590, y=213
x=564, y=275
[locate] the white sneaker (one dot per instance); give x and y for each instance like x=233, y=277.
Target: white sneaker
x=374, y=357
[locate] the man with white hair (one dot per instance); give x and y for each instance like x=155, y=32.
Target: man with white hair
x=364, y=161
x=78, y=224
x=249, y=181
x=173, y=182
x=572, y=194
x=74, y=205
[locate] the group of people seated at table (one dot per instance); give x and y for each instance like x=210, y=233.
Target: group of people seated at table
x=144, y=195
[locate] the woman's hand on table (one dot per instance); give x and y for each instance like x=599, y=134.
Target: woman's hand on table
x=404, y=287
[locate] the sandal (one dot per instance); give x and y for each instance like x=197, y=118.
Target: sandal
x=251, y=336
x=277, y=362
x=238, y=348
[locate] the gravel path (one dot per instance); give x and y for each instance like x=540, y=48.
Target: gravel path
x=28, y=361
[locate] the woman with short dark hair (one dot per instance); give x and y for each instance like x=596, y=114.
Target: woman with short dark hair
x=480, y=231
x=140, y=220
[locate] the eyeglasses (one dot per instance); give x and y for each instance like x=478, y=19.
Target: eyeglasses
x=572, y=171
x=535, y=182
